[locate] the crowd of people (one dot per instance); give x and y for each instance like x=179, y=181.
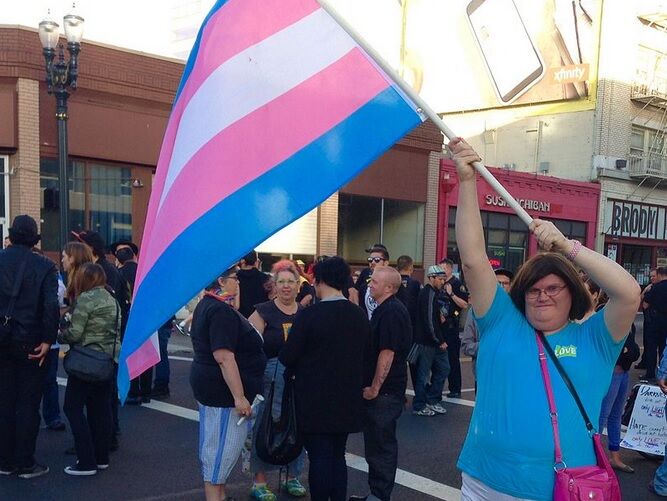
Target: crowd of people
x=344, y=343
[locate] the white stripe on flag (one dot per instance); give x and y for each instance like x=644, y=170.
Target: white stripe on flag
x=253, y=78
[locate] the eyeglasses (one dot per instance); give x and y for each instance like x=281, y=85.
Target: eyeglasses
x=285, y=282
x=550, y=291
x=374, y=259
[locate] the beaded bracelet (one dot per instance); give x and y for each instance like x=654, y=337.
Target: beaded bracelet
x=575, y=250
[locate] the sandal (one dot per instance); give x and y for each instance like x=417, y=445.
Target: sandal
x=623, y=467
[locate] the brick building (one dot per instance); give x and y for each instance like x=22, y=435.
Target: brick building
x=117, y=117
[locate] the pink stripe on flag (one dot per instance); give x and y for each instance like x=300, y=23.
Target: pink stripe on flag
x=237, y=25
x=248, y=148
x=147, y=355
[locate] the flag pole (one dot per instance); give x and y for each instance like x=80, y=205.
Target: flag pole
x=425, y=109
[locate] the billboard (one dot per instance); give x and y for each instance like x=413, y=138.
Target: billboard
x=464, y=55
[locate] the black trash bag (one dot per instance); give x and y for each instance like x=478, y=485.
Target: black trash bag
x=278, y=442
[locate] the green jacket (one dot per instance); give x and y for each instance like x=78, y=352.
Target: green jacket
x=95, y=322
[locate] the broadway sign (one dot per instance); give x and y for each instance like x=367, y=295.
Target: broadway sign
x=627, y=219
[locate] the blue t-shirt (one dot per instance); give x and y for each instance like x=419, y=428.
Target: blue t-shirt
x=510, y=444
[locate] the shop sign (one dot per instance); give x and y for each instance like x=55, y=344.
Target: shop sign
x=629, y=219
x=535, y=205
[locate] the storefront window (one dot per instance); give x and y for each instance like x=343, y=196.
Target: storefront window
x=506, y=239
x=100, y=199
x=637, y=260
x=363, y=221
x=574, y=230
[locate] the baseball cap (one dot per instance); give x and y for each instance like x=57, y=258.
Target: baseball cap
x=91, y=238
x=434, y=270
x=300, y=263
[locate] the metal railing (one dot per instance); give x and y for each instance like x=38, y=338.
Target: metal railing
x=648, y=164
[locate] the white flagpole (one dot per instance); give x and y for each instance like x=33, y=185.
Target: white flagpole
x=425, y=109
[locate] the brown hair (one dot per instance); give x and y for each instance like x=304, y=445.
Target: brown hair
x=80, y=254
x=89, y=276
x=548, y=263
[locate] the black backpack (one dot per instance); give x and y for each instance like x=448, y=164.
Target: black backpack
x=278, y=442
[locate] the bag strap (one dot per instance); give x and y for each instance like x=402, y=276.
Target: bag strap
x=558, y=453
x=566, y=380
x=15, y=291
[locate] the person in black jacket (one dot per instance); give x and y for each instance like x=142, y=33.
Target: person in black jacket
x=34, y=326
x=432, y=358
x=254, y=285
x=328, y=346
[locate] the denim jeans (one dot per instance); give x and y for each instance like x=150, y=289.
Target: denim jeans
x=612, y=409
x=50, y=404
x=21, y=383
x=92, y=431
x=380, y=444
x=162, y=368
x=660, y=478
x=274, y=367
x=434, y=362
x=327, y=475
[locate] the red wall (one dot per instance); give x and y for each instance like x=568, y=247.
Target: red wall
x=571, y=200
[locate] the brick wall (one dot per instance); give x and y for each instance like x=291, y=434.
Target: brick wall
x=327, y=231
x=431, y=209
x=24, y=191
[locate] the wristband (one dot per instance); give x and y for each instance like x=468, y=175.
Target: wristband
x=575, y=251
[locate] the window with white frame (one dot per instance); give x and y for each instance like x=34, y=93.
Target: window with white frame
x=648, y=147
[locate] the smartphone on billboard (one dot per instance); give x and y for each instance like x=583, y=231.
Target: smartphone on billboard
x=513, y=62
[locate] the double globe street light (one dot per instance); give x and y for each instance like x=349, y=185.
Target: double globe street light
x=61, y=76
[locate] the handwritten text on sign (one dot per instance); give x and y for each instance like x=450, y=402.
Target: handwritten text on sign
x=647, y=430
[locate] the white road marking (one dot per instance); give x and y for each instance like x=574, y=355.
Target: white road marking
x=404, y=478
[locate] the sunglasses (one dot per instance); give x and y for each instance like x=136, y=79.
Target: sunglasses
x=374, y=259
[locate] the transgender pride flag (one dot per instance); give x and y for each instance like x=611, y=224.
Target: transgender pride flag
x=278, y=107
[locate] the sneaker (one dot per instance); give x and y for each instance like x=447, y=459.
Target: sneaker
x=7, y=470
x=426, y=411
x=262, y=493
x=438, y=409
x=294, y=488
x=77, y=471
x=181, y=329
x=36, y=471
x=103, y=466
x=454, y=395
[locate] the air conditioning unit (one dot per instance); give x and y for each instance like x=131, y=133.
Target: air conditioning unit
x=544, y=167
x=621, y=163
x=511, y=166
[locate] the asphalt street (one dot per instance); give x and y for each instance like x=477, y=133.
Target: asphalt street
x=157, y=459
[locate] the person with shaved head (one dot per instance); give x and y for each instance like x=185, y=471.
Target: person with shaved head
x=392, y=337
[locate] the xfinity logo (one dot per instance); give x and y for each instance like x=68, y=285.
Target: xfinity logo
x=568, y=74
x=572, y=74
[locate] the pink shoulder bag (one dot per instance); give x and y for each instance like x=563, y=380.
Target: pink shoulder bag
x=585, y=482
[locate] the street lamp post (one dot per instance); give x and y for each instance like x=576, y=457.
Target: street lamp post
x=61, y=75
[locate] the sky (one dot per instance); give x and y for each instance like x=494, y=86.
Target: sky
x=142, y=25
x=145, y=25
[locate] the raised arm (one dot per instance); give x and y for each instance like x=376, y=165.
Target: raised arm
x=622, y=289
x=480, y=279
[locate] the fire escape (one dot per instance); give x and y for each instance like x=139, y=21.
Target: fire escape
x=650, y=90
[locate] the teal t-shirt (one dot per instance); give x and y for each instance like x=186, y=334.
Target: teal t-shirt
x=509, y=445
